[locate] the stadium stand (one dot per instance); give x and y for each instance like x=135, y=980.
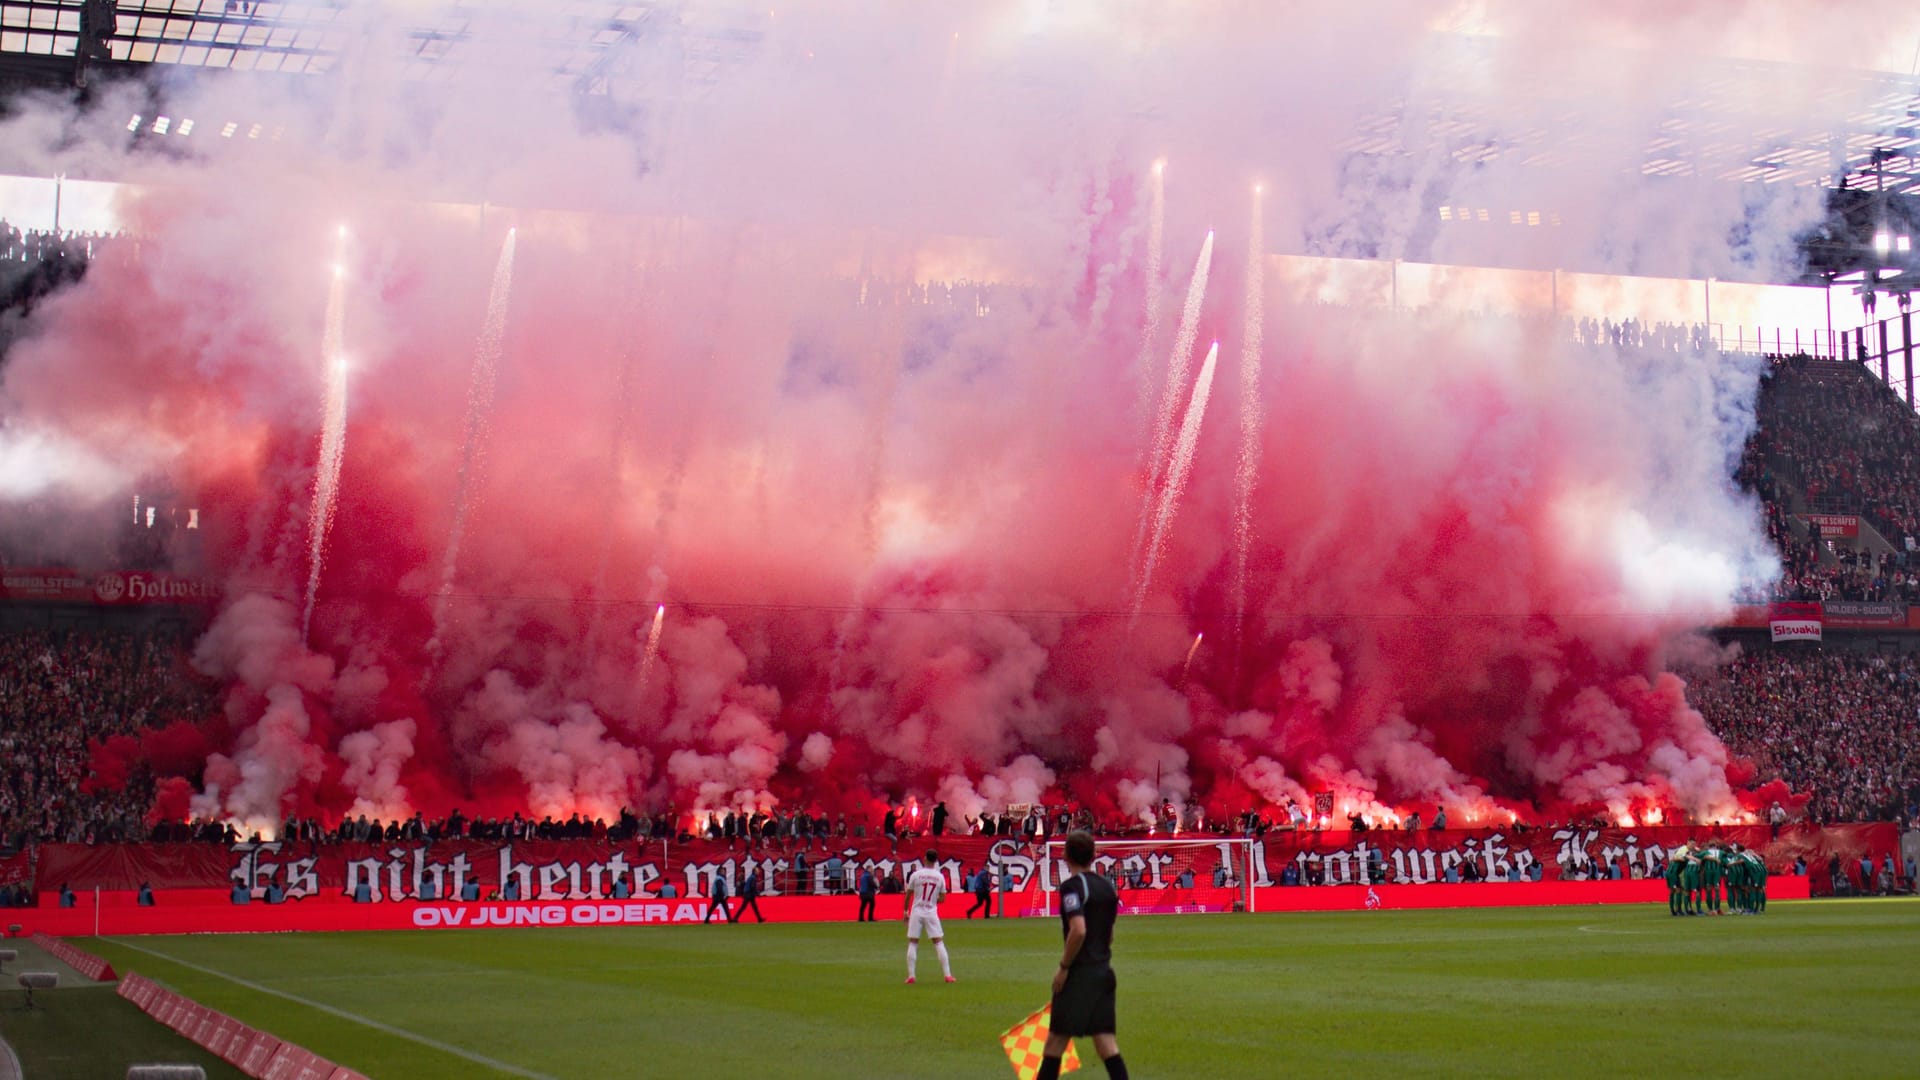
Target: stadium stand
x=1844, y=726
x=60, y=691
x=1832, y=439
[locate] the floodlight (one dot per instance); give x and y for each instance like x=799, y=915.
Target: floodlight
x=1883, y=241
x=1903, y=243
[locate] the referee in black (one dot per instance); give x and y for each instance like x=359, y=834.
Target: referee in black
x=1083, y=987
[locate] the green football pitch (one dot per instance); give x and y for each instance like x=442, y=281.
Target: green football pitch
x=1812, y=988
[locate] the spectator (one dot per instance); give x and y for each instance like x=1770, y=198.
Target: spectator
x=1844, y=727
x=63, y=692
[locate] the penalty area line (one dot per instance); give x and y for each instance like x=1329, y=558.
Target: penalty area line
x=402, y=1033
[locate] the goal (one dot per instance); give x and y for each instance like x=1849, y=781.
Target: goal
x=1171, y=876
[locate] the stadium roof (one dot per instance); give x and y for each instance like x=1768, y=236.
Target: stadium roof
x=578, y=41
x=583, y=43
x=674, y=51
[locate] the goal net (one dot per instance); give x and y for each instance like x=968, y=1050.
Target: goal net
x=1170, y=877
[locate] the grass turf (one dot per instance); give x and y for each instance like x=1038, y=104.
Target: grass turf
x=1824, y=987
x=84, y=1029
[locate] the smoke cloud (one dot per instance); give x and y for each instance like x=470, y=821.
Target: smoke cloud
x=847, y=344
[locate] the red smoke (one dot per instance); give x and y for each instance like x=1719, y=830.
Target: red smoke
x=943, y=616
x=892, y=523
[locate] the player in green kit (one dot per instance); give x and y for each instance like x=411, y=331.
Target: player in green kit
x=1710, y=867
x=1676, y=898
x=1690, y=877
x=1737, y=888
x=1757, y=879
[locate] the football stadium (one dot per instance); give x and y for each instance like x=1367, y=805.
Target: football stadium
x=1371, y=539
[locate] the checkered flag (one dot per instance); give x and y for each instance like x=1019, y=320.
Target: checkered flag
x=1025, y=1041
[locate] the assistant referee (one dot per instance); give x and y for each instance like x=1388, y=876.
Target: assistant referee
x=1083, y=988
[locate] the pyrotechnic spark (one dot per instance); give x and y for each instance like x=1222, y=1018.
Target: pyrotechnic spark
x=333, y=435
x=1177, y=471
x=652, y=651
x=486, y=358
x=1187, y=668
x=1247, y=474
x=1179, y=362
x=1154, y=296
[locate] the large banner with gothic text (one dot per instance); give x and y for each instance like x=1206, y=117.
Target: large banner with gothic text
x=593, y=870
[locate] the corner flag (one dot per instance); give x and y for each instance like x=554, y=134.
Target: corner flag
x=1025, y=1040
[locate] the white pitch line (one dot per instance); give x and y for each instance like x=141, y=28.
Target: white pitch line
x=9, y=1063
x=1606, y=930
x=423, y=1040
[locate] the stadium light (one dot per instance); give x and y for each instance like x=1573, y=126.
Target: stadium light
x=1883, y=241
x=134, y=124
x=1903, y=243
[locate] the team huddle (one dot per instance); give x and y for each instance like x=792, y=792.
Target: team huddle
x=1700, y=875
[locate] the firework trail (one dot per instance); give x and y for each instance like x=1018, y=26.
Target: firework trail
x=333, y=440
x=1178, y=469
x=1247, y=474
x=1187, y=668
x=1178, y=363
x=1155, y=293
x=486, y=358
x=652, y=652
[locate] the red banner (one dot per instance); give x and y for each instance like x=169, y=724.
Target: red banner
x=199, y=914
x=1864, y=614
x=120, y=588
x=1794, y=621
x=1835, y=525
x=17, y=868
x=592, y=870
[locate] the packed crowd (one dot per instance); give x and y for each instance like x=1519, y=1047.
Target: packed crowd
x=1844, y=726
x=59, y=692
x=34, y=264
x=19, y=245
x=1846, y=442
x=1636, y=334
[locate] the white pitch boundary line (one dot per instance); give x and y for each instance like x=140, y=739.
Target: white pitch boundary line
x=9, y=1062
x=423, y=1040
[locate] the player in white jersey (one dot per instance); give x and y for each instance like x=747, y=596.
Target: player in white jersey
x=925, y=887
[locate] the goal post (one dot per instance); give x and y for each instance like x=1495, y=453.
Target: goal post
x=1170, y=876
